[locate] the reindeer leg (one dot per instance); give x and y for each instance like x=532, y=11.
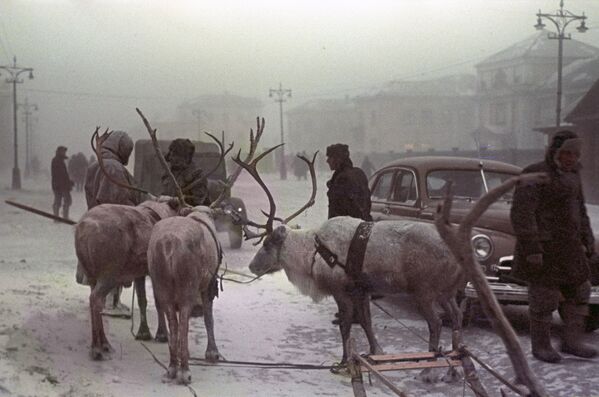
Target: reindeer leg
x=161, y=333
x=212, y=353
x=173, y=342
x=346, y=314
x=427, y=309
x=453, y=311
x=362, y=308
x=143, y=333
x=100, y=343
x=183, y=374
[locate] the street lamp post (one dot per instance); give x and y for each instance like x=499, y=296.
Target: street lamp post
x=14, y=71
x=28, y=109
x=560, y=19
x=281, y=94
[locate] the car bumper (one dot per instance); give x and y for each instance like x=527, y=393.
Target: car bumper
x=507, y=293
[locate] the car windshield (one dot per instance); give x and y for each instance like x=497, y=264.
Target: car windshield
x=466, y=183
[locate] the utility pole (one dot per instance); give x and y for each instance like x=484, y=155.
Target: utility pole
x=198, y=113
x=560, y=19
x=281, y=94
x=28, y=109
x=14, y=71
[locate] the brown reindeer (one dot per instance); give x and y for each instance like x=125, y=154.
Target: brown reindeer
x=183, y=259
x=111, y=243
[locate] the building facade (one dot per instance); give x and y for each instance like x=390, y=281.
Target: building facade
x=516, y=90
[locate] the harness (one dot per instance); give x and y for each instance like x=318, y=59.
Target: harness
x=213, y=288
x=355, y=253
x=153, y=214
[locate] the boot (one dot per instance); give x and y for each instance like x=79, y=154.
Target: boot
x=575, y=320
x=55, y=209
x=540, y=339
x=65, y=212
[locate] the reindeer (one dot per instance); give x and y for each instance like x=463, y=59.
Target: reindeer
x=111, y=243
x=183, y=258
x=401, y=256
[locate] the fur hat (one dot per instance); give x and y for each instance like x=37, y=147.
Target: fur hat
x=338, y=150
x=180, y=147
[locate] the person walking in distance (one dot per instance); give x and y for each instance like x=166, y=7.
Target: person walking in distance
x=61, y=183
x=553, y=243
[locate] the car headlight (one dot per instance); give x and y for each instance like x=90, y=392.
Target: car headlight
x=482, y=247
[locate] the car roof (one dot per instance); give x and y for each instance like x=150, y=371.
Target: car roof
x=424, y=163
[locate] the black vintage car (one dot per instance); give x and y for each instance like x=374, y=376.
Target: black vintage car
x=412, y=187
x=148, y=173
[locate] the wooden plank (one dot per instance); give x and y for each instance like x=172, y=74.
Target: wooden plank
x=410, y=356
x=415, y=365
x=382, y=377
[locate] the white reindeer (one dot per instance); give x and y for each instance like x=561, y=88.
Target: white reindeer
x=183, y=259
x=401, y=256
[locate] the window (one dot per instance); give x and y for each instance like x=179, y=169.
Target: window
x=382, y=186
x=405, y=188
x=465, y=183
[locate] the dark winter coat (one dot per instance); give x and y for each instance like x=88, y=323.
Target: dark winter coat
x=197, y=195
x=551, y=219
x=98, y=188
x=348, y=193
x=61, y=182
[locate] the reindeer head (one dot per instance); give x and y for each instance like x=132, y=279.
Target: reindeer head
x=267, y=259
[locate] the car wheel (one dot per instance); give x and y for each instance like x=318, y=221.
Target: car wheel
x=235, y=236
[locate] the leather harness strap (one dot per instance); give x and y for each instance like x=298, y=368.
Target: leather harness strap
x=213, y=283
x=153, y=214
x=355, y=253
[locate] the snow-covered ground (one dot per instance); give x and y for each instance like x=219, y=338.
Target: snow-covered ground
x=45, y=329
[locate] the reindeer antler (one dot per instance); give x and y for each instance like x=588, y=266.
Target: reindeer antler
x=99, y=140
x=161, y=158
x=313, y=196
x=252, y=151
x=205, y=176
x=251, y=169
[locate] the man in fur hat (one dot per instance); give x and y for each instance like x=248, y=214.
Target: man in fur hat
x=348, y=190
x=187, y=173
x=554, y=242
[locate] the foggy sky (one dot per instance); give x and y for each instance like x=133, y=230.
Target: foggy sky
x=95, y=61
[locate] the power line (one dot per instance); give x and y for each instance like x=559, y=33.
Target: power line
x=96, y=95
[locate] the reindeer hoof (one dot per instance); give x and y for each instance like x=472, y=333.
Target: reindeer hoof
x=213, y=356
x=161, y=338
x=98, y=353
x=170, y=375
x=184, y=377
x=143, y=333
x=340, y=368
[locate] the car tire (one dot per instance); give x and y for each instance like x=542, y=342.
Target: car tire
x=235, y=236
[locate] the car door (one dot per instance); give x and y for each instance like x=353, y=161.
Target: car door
x=380, y=193
x=404, y=195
